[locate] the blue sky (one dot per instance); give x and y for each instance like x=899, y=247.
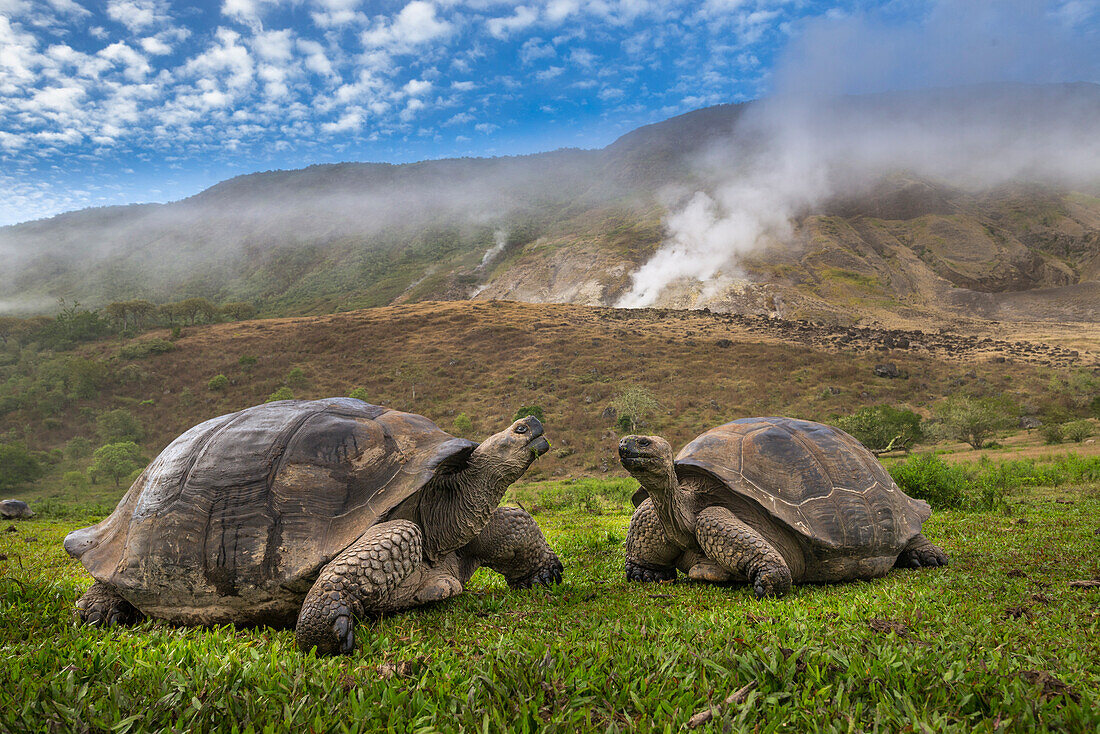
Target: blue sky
x=119, y=101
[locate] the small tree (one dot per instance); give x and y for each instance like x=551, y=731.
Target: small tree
x=882, y=428
x=1078, y=431
x=218, y=383
x=634, y=404
x=17, y=465
x=283, y=393
x=359, y=393
x=463, y=425
x=526, y=410
x=296, y=378
x=116, y=460
x=77, y=448
x=118, y=425
x=974, y=420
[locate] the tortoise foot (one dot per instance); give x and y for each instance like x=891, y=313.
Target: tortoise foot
x=709, y=572
x=921, y=553
x=547, y=575
x=102, y=606
x=774, y=581
x=636, y=572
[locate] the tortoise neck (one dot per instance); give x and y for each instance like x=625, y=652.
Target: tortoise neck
x=670, y=502
x=458, y=506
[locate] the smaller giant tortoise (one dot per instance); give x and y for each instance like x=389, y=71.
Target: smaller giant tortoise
x=769, y=501
x=15, y=510
x=315, y=511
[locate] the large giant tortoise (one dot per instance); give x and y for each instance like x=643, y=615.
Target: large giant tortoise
x=769, y=501
x=320, y=511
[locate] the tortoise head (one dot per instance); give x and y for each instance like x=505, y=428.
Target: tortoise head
x=646, y=457
x=512, y=450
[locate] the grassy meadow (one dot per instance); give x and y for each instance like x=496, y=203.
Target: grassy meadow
x=1001, y=639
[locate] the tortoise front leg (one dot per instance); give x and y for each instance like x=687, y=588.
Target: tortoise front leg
x=737, y=547
x=355, y=583
x=102, y=606
x=650, y=554
x=512, y=544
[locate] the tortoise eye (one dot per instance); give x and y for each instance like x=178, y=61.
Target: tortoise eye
x=643, y=441
x=521, y=428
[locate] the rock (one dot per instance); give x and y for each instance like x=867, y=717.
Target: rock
x=724, y=343
x=609, y=413
x=1029, y=422
x=887, y=369
x=15, y=510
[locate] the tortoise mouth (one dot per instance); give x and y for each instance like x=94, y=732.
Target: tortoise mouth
x=538, y=446
x=632, y=460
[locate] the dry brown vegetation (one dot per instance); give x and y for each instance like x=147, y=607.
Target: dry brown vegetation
x=487, y=359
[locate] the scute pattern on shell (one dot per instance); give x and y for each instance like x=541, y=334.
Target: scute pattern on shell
x=815, y=479
x=233, y=520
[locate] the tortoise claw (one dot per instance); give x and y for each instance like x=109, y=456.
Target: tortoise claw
x=636, y=572
x=546, y=576
x=771, y=582
x=345, y=634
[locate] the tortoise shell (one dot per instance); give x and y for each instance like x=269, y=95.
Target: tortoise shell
x=815, y=479
x=235, y=518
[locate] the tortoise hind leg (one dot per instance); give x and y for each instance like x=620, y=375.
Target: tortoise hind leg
x=358, y=581
x=743, y=551
x=921, y=552
x=102, y=606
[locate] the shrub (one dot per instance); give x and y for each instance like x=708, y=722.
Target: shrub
x=283, y=393
x=927, y=477
x=974, y=420
x=882, y=428
x=1052, y=433
x=118, y=425
x=75, y=479
x=359, y=393
x=463, y=425
x=217, y=383
x=146, y=347
x=296, y=378
x=1078, y=431
x=17, y=465
x=533, y=410
x=247, y=362
x=77, y=448
x=116, y=460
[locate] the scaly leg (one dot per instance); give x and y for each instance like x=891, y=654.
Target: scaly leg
x=919, y=553
x=355, y=583
x=102, y=606
x=650, y=554
x=513, y=545
x=737, y=547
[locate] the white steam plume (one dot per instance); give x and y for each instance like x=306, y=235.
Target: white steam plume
x=808, y=143
x=500, y=240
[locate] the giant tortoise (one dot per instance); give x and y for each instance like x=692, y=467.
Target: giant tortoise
x=769, y=501
x=316, y=511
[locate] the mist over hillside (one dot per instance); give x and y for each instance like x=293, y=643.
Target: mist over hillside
x=908, y=202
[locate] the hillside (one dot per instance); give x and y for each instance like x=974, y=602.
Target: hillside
x=489, y=360
x=572, y=226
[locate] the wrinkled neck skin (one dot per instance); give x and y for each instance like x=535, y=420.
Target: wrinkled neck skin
x=671, y=501
x=454, y=508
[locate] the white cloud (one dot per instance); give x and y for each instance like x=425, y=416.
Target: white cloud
x=316, y=59
x=523, y=18
x=136, y=15
x=549, y=73
x=415, y=25
x=336, y=13
x=417, y=87
x=534, y=49
x=460, y=119
x=486, y=127
x=155, y=46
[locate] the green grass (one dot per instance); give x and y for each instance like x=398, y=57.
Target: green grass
x=966, y=648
